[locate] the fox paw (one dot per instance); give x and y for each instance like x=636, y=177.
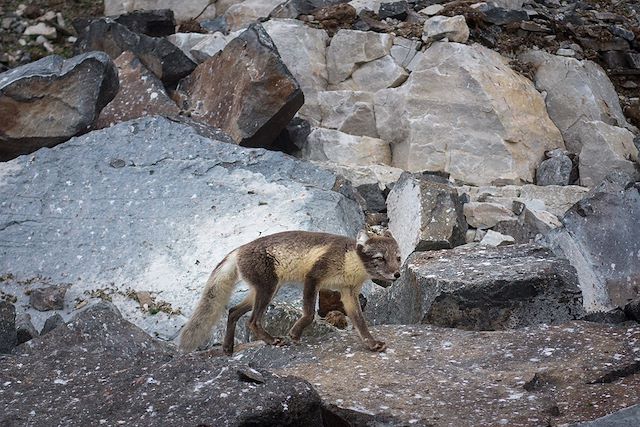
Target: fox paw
x=377, y=346
x=280, y=341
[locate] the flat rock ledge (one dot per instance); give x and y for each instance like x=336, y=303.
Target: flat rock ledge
x=543, y=375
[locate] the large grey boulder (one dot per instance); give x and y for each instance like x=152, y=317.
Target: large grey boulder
x=159, y=55
x=432, y=376
x=151, y=205
x=245, y=90
x=464, y=111
x=51, y=100
x=481, y=289
x=575, y=90
x=425, y=213
x=627, y=417
x=140, y=381
x=601, y=238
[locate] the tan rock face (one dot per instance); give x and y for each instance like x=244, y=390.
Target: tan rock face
x=245, y=90
x=140, y=94
x=183, y=10
x=350, y=47
x=464, y=111
x=543, y=375
x=348, y=111
x=241, y=14
x=327, y=144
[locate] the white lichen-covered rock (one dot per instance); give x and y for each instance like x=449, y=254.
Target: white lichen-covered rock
x=372, y=5
x=348, y=111
x=453, y=28
x=576, y=90
x=349, y=48
x=464, y=111
x=303, y=50
x=240, y=15
x=486, y=214
x=183, y=10
x=151, y=205
x=507, y=4
x=379, y=74
x=601, y=149
x=328, y=144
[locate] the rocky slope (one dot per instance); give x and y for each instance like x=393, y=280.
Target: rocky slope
x=498, y=141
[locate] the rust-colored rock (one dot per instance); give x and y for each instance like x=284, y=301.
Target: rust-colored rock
x=141, y=94
x=245, y=90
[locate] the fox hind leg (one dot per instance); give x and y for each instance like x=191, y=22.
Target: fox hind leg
x=235, y=313
x=263, y=295
x=310, y=296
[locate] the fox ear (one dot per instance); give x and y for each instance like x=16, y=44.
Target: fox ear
x=362, y=239
x=387, y=233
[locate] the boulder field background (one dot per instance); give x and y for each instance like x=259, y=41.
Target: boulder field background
x=141, y=141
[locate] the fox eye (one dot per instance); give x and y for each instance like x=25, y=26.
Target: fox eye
x=398, y=259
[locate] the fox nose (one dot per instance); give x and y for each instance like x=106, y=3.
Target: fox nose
x=396, y=274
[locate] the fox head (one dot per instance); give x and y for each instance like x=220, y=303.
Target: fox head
x=379, y=254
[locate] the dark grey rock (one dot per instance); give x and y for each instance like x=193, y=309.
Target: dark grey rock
x=522, y=231
x=373, y=196
x=51, y=323
x=8, y=337
x=49, y=101
x=632, y=310
x=294, y=8
x=293, y=137
x=48, y=298
x=159, y=55
x=396, y=10
x=252, y=109
x=628, y=417
x=481, y=289
x=24, y=328
x=612, y=317
x=555, y=171
x=140, y=381
x=601, y=238
x=153, y=23
x=500, y=16
x=425, y=213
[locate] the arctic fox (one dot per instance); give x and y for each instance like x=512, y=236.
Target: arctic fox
x=317, y=260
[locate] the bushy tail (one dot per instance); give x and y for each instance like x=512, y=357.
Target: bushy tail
x=215, y=297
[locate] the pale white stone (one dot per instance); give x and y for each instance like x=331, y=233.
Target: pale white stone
x=183, y=10
x=339, y=147
x=240, y=15
x=348, y=111
x=372, y=5
x=576, y=90
x=507, y=4
x=602, y=149
x=303, y=50
x=464, y=111
x=454, y=29
x=485, y=214
x=41, y=29
x=493, y=238
x=404, y=50
x=434, y=9
x=209, y=46
x=383, y=175
x=186, y=41
x=379, y=74
x=349, y=48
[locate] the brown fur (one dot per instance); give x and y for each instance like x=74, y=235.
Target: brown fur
x=318, y=260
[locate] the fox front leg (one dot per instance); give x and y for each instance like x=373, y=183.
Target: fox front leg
x=352, y=307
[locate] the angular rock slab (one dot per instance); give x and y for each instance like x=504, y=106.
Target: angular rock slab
x=183, y=10
x=159, y=55
x=51, y=100
x=481, y=289
x=140, y=381
x=601, y=238
x=575, y=90
x=151, y=205
x=349, y=48
x=339, y=147
x=464, y=111
x=245, y=90
x=141, y=94
x=425, y=214
x=544, y=374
